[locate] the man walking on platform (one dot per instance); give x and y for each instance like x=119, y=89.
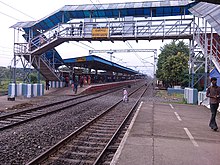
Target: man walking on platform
x=213, y=92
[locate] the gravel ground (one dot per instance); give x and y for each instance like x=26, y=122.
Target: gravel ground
x=22, y=143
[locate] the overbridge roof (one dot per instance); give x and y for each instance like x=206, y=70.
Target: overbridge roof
x=208, y=11
x=98, y=63
x=113, y=10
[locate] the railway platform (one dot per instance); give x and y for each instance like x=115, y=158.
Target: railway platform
x=169, y=134
x=20, y=100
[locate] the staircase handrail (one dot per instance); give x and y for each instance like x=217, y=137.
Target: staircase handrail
x=50, y=66
x=215, y=48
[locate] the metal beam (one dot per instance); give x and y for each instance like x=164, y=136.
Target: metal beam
x=122, y=51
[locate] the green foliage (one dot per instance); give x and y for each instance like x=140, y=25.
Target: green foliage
x=3, y=86
x=33, y=78
x=21, y=74
x=173, y=64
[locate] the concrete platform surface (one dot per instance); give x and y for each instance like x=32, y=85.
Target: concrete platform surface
x=169, y=134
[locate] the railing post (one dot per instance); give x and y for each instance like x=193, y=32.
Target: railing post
x=108, y=29
x=206, y=57
x=211, y=47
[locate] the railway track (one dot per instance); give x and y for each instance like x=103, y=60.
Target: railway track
x=17, y=118
x=90, y=143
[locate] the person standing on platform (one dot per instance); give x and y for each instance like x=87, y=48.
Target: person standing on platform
x=81, y=81
x=72, y=85
x=80, y=28
x=89, y=80
x=66, y=81
x=72, y=30
x=47, y=84
x=213, y=92
x=125, y=95
x=76, y=86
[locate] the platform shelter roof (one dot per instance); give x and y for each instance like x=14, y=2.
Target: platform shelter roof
x=113, y=10
x=98, y=63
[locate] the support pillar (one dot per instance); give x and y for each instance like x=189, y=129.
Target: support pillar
x=192, y=55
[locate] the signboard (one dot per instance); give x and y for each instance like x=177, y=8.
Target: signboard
x=81, y=59
x=99, y=32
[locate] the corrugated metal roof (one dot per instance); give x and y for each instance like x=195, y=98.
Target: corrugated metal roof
x=211, y=12
x=23, y=24
x=136, y=9
x=99, y=63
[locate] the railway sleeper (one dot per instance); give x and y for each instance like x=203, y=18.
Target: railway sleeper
x=5, y=122
x=67, y=161
x=89, y=143
x=101, y=128
x=94, y=138
x=81, y=155
x=105, y=125
x=98, y=134
x=14, y=119
x=19, y=117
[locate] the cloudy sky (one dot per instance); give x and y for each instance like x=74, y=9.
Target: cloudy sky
x=12, y=11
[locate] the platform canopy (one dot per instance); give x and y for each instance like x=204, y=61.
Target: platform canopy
x=113, y=10
x=97, y=63
x=211, y=12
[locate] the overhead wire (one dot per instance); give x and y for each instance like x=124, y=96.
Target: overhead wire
x=2, y=54
x=86, y=45
x=33, y=18
x=9, y=16
x=127, y=43
x=6, y=47
x=17, y=10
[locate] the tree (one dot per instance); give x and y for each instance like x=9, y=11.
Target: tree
x=175, y=68
x=168, y=63
x=33, y=77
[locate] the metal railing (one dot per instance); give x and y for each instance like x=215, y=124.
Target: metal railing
x=20, y=48
x=213, y=45
x=51, y=66
x=141, y=29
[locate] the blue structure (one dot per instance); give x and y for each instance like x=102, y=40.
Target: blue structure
x=114, y=10
x=97, y=63
x=215, y=73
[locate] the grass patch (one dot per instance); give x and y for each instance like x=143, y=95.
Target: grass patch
x=172, y=98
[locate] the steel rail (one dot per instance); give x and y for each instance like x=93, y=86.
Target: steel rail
x=32, y=111
x=100, y=157
x=44, y=156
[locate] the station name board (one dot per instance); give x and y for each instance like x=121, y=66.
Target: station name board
x=81, y=59
x=99, y=32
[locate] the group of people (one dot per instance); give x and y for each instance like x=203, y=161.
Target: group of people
x=80, y=28
x=82, y=80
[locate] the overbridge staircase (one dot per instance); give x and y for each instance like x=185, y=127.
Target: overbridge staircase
x=39, y=62
x=209, y=42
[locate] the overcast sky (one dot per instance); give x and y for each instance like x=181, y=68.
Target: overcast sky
x=13, y=11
